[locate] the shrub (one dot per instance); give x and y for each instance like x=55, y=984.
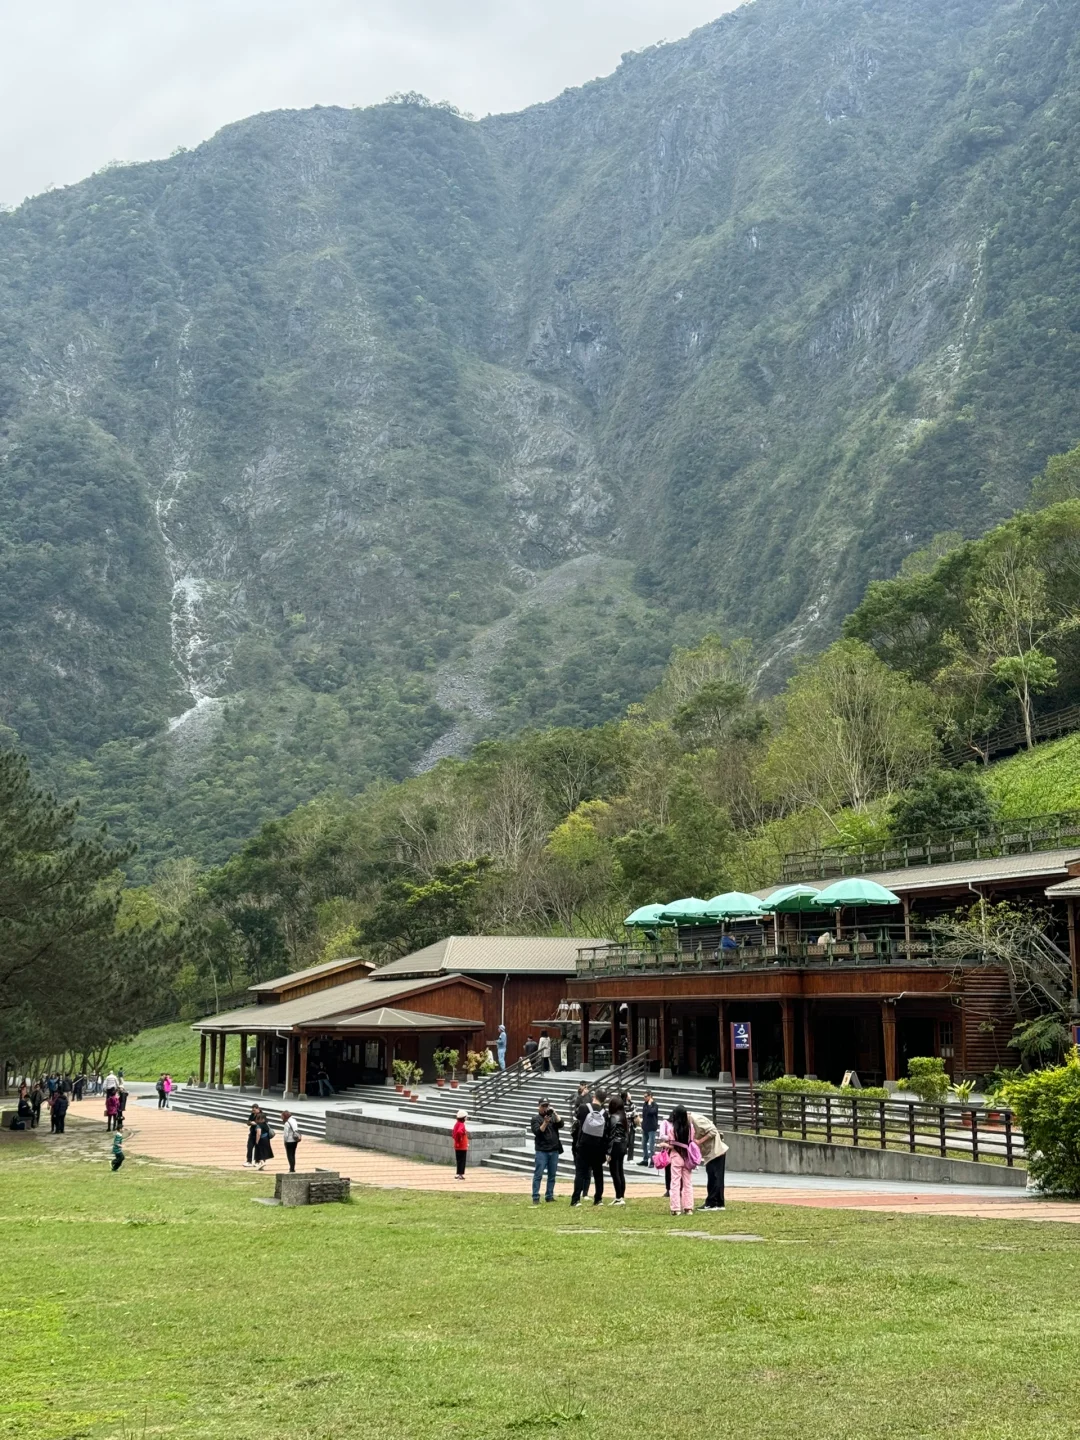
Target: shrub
x=940, y=801
x=926, y=1077
x=792, y=1085
x=1047, y=1106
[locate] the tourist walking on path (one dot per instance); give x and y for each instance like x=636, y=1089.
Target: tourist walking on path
x=263, y=1149
x=117, y=1150
x=594, y=1134
x=253, y=1133
x=650, y=1124
x=500, y=1047
x=112, y=1084
x=461, y=1144
x=713, y=1150
x=545, y=1130
x=618, y=1144
x=290, y=1135
x=679, y=1142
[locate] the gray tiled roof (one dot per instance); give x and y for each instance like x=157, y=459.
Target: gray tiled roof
x=347, y=999
x=491, y=955
x=1000, y=869
x=299, y=977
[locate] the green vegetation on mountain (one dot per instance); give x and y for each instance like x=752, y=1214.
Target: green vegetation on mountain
x=352, y=437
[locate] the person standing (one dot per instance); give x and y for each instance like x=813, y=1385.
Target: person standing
x=168, y=1088
x=121, y=1103
x=618, y=1144
x=162, y=1098
x=290, y=1135
x=35, y=1104
x=544, y=1052
x=322, y=1079
x=631, y=1123
x=117, y=1150
x=59, y=1112
x=650, y=1124
x=253, y=1133
x=545, y=1127
x=500, y=1047
x=678, y=1140
x=112, y=1084
x=713, y=1149
x=461, y=1144
x=594, y=1134
x=77, y=1088
x=112, y=1105
x=582, y=1176
x=263, y=1149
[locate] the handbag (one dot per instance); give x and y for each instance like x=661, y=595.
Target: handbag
x=661, y=1159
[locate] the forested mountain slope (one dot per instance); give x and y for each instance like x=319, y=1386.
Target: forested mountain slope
x=291, y=418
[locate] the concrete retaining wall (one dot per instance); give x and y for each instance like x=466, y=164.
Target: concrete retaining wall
x=765, y=1154
x=401, y=1134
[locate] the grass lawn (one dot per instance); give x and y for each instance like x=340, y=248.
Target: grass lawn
x=166, y=1302
x=1038, y=781
x=166, y=1049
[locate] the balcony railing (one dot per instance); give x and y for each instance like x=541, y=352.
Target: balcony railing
x=870, y=951
x=1010, y=837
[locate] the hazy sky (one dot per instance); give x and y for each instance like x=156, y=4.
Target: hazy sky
x=84, y=82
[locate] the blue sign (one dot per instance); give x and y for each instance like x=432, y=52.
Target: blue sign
x=741, y=1032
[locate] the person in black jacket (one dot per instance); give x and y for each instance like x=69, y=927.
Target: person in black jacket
x=59, y=1111
x=594, y=1134
x=618, y=1144
x=650, y=1125
x=545, y=1126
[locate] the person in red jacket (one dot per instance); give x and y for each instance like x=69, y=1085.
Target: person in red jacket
x=461, y=1144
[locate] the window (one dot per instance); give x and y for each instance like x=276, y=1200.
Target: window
x=945, y=1039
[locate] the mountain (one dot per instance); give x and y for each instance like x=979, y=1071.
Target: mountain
x=355, y=434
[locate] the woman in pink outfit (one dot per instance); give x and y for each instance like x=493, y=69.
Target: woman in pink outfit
x=676, y=1139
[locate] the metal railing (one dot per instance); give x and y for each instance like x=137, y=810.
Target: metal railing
x=1009, y=837
x=964, y=1132
x=504, y=1082
x=1014, y=737
x=622, y=1076
x=876, y=949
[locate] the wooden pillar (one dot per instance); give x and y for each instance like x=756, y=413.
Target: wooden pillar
x=264, y=1061
x=243, y=1059
x=1074, y=957
x=787, y=1020
x=665, y=1040
x=808, y=1039
x=202, y=1058
x=301, y=1089
x=222, y=1047
x=725, y=1039
x=616, y=1025
x=584, y=1037
x=213, y=1058
x=888, y=1027
x=632, y=1029
x=907, y=926
x=288, y=1067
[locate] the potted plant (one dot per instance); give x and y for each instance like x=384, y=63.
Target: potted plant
x=452, y=1058
x=474, y=1060
x=441, y=1061
x=402, y=1072
x=417, y=1075
x=962, y=1090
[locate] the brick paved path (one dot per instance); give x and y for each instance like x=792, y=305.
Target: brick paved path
x=175, y=1137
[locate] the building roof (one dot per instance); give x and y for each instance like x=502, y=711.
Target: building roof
x=1066, y=890
x=387, y=1018
x=1000, y=869
x=491, y=955
x=301, y=977
x=324, y=1005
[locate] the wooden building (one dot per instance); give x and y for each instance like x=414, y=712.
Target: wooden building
x=355, y=1020
x=877, y=992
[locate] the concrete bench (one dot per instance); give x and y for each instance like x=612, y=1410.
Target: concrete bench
x=315, y=1187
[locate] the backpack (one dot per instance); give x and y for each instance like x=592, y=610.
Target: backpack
x=594, y=1124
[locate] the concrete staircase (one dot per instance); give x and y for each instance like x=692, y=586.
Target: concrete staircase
x=236, y=1105
x=519, y=1106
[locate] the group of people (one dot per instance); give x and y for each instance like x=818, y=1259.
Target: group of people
x=164, y=1088
x=603, y=1133
x=259, y=1136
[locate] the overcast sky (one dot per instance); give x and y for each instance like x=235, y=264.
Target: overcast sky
x=85, y=82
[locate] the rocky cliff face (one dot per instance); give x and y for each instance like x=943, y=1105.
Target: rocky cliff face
x=758, y=314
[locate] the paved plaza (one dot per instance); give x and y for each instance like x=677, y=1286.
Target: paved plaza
x=175, y=1138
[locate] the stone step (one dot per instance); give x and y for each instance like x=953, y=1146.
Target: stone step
x=220, y=1105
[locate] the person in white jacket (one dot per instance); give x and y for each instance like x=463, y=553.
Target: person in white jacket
x=290, y=1134
x=713, y=1150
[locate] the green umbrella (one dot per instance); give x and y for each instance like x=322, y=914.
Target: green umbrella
x=854, y=892
x=683, y=912
x=731, y=905
x=644, y=915
x=792, y=900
